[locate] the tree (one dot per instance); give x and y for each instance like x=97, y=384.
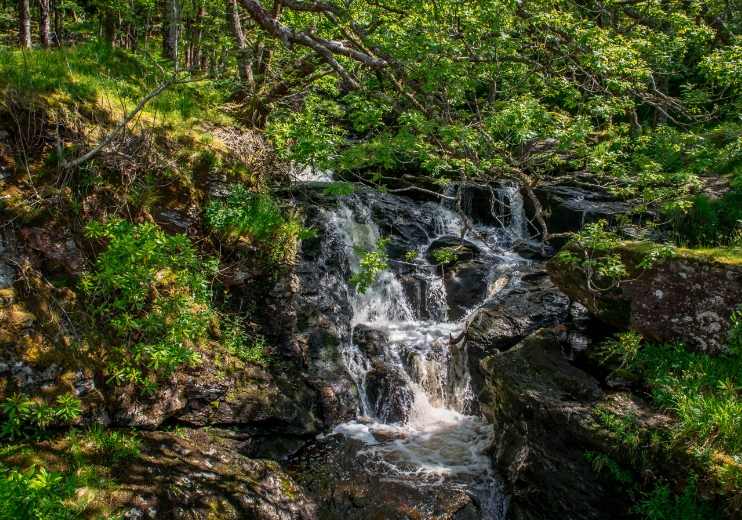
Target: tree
x=170, y=21
x=24, y=20
x=465, y=91
x=45, y=24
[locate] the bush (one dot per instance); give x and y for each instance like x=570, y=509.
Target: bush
x=711, y=222
x=703, y=395
x=153, y=293
x=256, y=218
x=244, y=346
x=35, y=494
x=26, y=416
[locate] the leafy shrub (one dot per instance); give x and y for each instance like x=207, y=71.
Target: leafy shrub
x=35, y=494
x=26, y=416
x=256, y=218
x=153, y=293
x=603, y=266
x=662, y=504
x=372, y=263
x=711, y=222
x=702, y=394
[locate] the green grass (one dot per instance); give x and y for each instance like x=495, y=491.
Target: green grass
x=703, y=397
x=111, y=79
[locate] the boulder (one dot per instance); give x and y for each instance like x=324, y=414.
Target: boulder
x=569, y=208
x=466, y=286
x=55, y=246
x=527, y=303
x=541, y=408
x=386, y=389
x=689, y=296
x=468, y=252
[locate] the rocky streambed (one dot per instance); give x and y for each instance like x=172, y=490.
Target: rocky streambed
x=456, y=391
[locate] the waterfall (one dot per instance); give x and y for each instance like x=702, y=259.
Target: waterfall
x=414, y=390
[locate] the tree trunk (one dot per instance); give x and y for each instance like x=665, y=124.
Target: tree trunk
x=147, y=27
x=194, y=49
x=170, y=30
x=24, y=19
x=243, y=59
x=45, y=28
x=58, y=22
x=660, y=113
x=110, y=27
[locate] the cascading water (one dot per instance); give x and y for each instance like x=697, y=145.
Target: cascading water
x=415, y=413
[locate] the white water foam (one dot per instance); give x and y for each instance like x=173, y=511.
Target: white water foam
x=437, y=441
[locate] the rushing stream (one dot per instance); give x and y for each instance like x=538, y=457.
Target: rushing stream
x=416, y=424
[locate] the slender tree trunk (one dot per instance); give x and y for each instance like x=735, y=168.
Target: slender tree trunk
x=45, y=24
x=58, y=22
x=170, y=30
x=24, y=19
x=147, y=28
x=194, y=49
x=110, y=27
x=243, y=59
x=660, y=114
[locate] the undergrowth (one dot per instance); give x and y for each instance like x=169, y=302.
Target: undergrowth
x=257, y=220
x=36, y=494
x=153, y=292
x=703, y=396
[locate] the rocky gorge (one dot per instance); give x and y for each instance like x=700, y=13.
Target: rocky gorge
x=455, y=390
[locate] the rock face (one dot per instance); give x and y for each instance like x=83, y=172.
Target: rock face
x=540, y=406
x=528, y=301
x=200, y=474
x=570, y=207
x=688, y=296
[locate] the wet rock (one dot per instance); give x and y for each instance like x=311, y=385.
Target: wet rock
x=388, y=393
x=570, y=207
x=527, y=303
x=341, y=478
x=533, y=252
x=540, y=407
x=466, y=286
x=370, y=341
x=468, y=251
x=688, y=296
x=53, y=245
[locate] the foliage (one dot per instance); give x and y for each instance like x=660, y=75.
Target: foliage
x=603, y=266
x=35, y=494
x=372, y=263
x=339, y=189
x=249, y=348
x=26, y=416
x=113, y=447
x=701, y=393
x=258, y=219
x=711, y=222
x=660, y=503
x=153, y=293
